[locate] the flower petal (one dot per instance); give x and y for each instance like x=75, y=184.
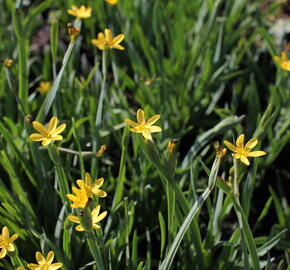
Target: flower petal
x=118, y=47
x=59, y=129
x=256, y=154
x=32, y=265
x=14, y=237
x=146, y=134
x=57, y=138
x=40, y=128
x=251, y=143
x=230, y=146
x=245, y=161
x=284, y=56
x=100, y=217
x=96, y=211
x=46, y=142
x=52, y=124
x=36, y=137
x=5, y=233
x=99, y=182
x=80, y=228
x=117, y=39
x=108, y=35
x=155, y=129
x=88, y=179
x=236, y=156
x=98, y=192
x=74, y=219
x=240, y=141
x=39, y=258
x=3, y=253
x=130, y=123
x=153, y=119
x=11, y=247
x=140, y=116
x=50, y=256
x=55, y=266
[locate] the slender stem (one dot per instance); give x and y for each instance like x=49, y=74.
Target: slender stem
x=94, y=248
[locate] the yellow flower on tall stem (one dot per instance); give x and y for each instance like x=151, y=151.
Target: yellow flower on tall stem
x=6, y=242
x=44, y=87
x=243, y=152
x=283, y=61
x=45, y=263
x=92, y=188
x=80, y=198
x=142, y=126
x=95, y=219
x=47, y=135
x=81, y=13
x=106, y=41
x=112, y=2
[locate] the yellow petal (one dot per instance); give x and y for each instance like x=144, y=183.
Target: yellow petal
x=245, y=161
x=55, y=266
x=108, y=34
x=40, y=128
x=130, y=123
x=240, y=141
x=118, y=39
x=80, y=228
x=230, y=146
x=5, y=232
x=58, y=130
x=118, y=47
x=11, y=247
x=285, y=65
x=96, y=211
x=99, y=193
x=46, y=142
x=74, y=219
x=52, y=124
x=39, y=258
x=251, y=143
x=14, y=237
x=88, y=179
x=3, y=253
x=50, y=256
x=153, y=119
x=236, y=156
x=146, y=135
x=140, y=116
x=32, y=265
x=36, y=137
x=57, y=138
x=99, y=182
x=100, y=217
x=155, y=129
x=256, y=154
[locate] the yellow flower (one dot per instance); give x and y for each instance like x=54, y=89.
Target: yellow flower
x=95, y=219
x=171, y=145
x=44, y=87
x=80, y=13
x=20, y=268
x=112, y=2
x=92, y=188
x=6, y=242
x=143, y=127
x=243, y=152
x=283, y=61
x=8, y=62
x=80, y=198
x=106, y=41
x=47, y=135
x=44, y=264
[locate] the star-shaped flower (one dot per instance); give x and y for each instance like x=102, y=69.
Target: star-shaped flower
x=112, y=2
x=95, y=219
x=106, y=41
x=6, y=242
x=81, y=13
x=243, y=152
x=92, y=188
x=47, y=135
x=44, y=264
x=143, y=127
x=80, y=198
x=44, y=87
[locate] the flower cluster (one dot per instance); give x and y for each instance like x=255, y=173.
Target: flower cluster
x=81, y=197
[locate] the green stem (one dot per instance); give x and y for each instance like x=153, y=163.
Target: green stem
x=95, y=250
